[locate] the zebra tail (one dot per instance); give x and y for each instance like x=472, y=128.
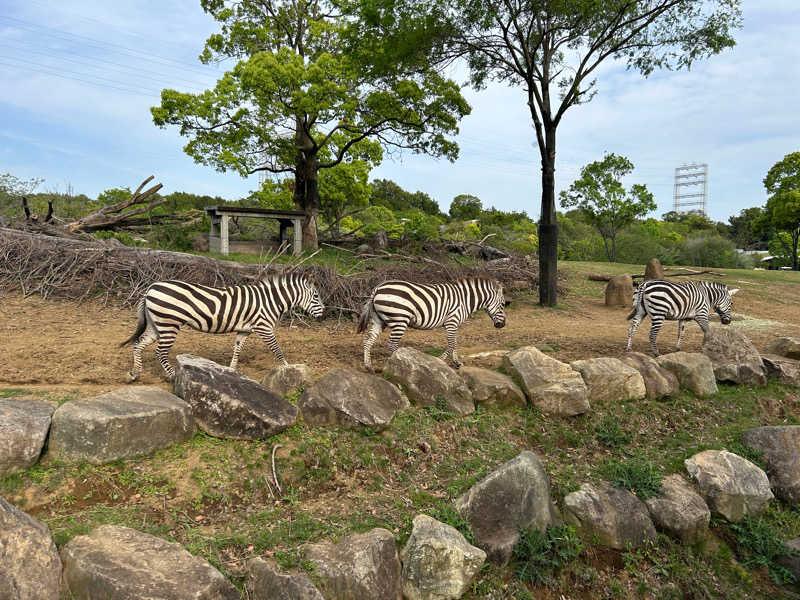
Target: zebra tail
x=140, y=326
x=637, y=300
x=365, y=314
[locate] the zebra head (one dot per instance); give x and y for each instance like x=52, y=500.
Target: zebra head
x=307, y=298
x=721, y=302
x=495, y=303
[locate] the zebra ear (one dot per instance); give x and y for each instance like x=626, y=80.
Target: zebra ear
x=734, y=290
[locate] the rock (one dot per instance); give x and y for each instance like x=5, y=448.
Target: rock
x=514, y=496
x=438, y=563
x=734, y=357
x=493, y=388
x=227, y=404
x=426, y=379
x=364, y=249
x=619, y=291
x=788, y=347
x=285, y=379
x=612, y=516
x=30, y=568
x=731, y=485
x=780, y=448
x=653, y=270
x=791, y=561
x=128, y=422
x=357, y=567
x=266, y=581
x=658, y=382
x=491, y=359
x=23, y=429
x=552, y=386
x=492, y=253
x=693, y=370
x=125, y=564
x=349, y=398
x=680, y=511
x=610, y=380
x=785, y=370
x=380, y=239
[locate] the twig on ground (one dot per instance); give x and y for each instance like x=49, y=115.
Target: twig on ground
x=274, y=474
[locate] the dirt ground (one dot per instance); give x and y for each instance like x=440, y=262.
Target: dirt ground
x=55, y=346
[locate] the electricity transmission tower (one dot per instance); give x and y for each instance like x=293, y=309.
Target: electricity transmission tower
x=691, y=188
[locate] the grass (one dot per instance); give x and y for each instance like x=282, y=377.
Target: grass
x=636, y=474
x=538, y=555
x=760, y=544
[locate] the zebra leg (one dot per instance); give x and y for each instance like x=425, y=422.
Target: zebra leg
x=166, y=339
x=450, y=330
x=396, y=333
x=148, y=337
x=267, y=334
x=702, y=321
x=655, y=327
x=681, y=325
x=375, y=329
x=241, y=338
x=631, y=331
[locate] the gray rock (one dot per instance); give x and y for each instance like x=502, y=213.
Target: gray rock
x=658, y=382
x=492, y=253
x=350, y=398
x=357, y=567
x=552, y=386
x=610, y=380
x=493, y=388
x=23, y=429
x=731, y=485
x=514, y=496
x=693, y=370
x=619, y=291
x=426, y=379
x=680, y=511
x=266, y=581
x=780, y=448
x=285, y=379
x=734, y=357
x=490, y=359
x=654, y=269
x=614, y=517
x=30, y=568
x=227, y=404
x=785, y=370
x=788, y=347
x=128, y=422
x=438, y=563
x=364, y=249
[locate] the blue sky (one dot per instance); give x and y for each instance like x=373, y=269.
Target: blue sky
x=77, y=80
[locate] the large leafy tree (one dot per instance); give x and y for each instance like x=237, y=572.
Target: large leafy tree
x=783, y=206
x=465, y=207
x=295, y=102
x=604, y=202
x=551, y=50
x=386, y=192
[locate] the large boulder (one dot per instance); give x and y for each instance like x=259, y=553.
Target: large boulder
x=493, y=388
x=680, y=511
x=780, y=448
x=438, y=563
x=227, y=404
x=734, y=357
x=788, y=347
x=619, y=291
x=360, y=566
x=613, y=517
x=653, y=270
x=23, y=429
x=731, y=485
x=266, y=581
x=30, y=568
x=785, y=370
x=285, y=379
x=658, y=382
x=125, y=564
x=427, y=380
x=489, y=359
x=350, y=398
x=693, y=370
x=514, y=496
x=610, y=380
x=128, y=422
x=551, y=385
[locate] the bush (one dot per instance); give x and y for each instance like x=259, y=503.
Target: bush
x=710, y=250
x=538, y=555
x=609, y=433
x=172, y=237
x=760, y=544
x=636, y=474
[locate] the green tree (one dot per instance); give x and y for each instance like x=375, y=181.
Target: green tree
x=604, y=202
x=344, y=192
x=551, y=50
x=745, y=231
x=295, y=102
x=465, y=207
x=385, y=192
x=783, y=206
x=12, y=190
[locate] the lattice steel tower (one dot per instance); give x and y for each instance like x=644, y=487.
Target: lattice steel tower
x=695, y=178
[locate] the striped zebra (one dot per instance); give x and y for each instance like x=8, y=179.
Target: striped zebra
x=399, y=305
x=680, y=301
x=256, y=307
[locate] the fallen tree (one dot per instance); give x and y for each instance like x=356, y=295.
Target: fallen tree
x=602, y=277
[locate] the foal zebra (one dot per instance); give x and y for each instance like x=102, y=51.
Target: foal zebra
x=680, y=301
x=399, y=305
x=257, y=307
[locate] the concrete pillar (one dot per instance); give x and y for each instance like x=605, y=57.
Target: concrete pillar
x=298, y=236
x=223, y=234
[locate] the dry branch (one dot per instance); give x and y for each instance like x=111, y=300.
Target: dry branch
x=112, y=215
x=602, y=277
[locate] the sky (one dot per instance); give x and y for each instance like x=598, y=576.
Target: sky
x=77, y=80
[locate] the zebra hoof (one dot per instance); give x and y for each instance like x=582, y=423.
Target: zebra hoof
x=130, y=377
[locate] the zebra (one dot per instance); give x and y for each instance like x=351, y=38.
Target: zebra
x=256, y=307
x=402, y=304
x=680, y=301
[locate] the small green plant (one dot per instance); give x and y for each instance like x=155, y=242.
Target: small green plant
x=754, y=456
x=440, y=411
x=539, y=555
x=760, y=544
x=636, y=474
x=609, y=433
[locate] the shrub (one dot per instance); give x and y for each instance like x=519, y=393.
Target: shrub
x=760, y=544
x=706, y=249
x=538, y=555
x=609, y=433
x=636, y=474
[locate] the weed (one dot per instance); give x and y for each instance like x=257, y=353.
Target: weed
x=636, y=474
x=760, y=544
x=609, y=433
x=754, y=456
x=539, y=555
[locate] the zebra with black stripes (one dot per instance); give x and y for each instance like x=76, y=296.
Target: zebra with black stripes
x=678, y=301
x=399, y=305
x=251, y=308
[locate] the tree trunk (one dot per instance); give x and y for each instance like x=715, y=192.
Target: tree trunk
x=306, y=189
x=548, y=226
x=795, y=240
